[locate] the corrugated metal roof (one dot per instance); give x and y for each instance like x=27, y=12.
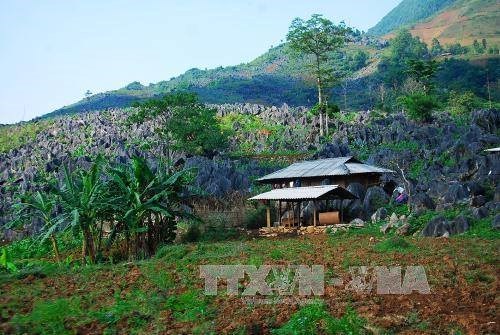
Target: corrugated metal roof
x=493, y=149
x=339, y=166
x=305, y=193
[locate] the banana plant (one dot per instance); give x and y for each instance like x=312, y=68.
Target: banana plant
x=148, y=202
x=84, y=201
x=42, y=206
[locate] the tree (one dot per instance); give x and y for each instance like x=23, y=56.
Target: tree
x=484, y=44
x=318, y=37
x=84, y=202
x=148, y=204
x=436, y=48
x=184, y=123
x=88, y=94
x=423, y=72
x=402, y=49
x=478, y=48
x=418, y=105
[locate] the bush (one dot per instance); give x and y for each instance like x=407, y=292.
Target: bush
x=315, y=319
x=461, y=103
x=255, y=217
x=192, y=234
x=419, y=105
x=217, y=228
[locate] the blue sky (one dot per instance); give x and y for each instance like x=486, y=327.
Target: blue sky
x=52, y=51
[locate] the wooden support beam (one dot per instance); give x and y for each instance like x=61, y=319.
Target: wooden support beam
x=341, y=211
x=268, y=216
x=314, y=213
x=279, y=212
x=300, y=222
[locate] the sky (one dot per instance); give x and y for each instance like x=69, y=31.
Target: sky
x=53, y=51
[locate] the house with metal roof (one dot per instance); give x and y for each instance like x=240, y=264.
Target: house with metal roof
x=340, y=171
x=316, y=182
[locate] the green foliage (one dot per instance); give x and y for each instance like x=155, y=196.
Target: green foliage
x=40, y=205
x=190, y=306
x=457, y=49
x=6, y=261
x=318, y=37
x=395, y=243
x=482, y=228
x=196, y=130
x=184, y=123
x=417, y=169
x=50, y=316
x=217, y=228
x=13, y=137
x=140, y=194
x=418, y=106
x=403, y=49
x=462, y=103
x=436, y=48
x=315, y=319
x=423, y=72
x=255, y=217
x=136, y=307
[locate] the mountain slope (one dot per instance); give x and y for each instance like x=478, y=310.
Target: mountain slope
x=408, y=12
x=273, y=78
x=463, y=22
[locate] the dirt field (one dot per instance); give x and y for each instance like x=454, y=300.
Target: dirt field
x=165, y=295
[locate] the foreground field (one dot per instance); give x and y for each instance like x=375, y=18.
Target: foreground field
x=165, y=294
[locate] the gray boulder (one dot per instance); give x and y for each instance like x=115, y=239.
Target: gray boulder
x=455, y=193
x=375, y=198
x=496, y=222
x=379, y=215
x=480, y=213
x=459, y=225
x=478, y=201
x=436, y=227
x=421, y=201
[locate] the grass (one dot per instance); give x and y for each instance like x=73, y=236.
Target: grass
x=315, y=319
x=14, y=136
x=49, y=317
x=166, y=293
x=394, y=244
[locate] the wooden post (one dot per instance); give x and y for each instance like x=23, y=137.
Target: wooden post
x=300, y=222
x=314, y=213
x=279, y=212
x=268, y=216
x=342, y=211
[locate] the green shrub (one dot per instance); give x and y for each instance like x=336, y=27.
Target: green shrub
x=193, y=233
x=315, y=319
x=462, y=103
x=255, y=217
x=393, y=244
x=50, y=317
x=217, y=228
x=6, y=261
x=189, y=306
x=419, y=105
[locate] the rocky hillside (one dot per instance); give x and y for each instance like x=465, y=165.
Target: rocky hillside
x=443, y=160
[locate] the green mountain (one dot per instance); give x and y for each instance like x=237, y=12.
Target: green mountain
x=408, y=12
x=273, y=79
x=276, y=78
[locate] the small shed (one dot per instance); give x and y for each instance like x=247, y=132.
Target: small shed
x=296, y=195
